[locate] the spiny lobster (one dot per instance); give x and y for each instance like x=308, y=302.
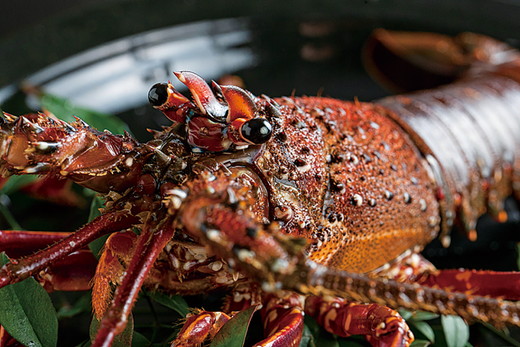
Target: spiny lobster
x=292, y=197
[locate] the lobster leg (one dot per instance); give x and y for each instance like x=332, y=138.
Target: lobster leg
x=18, y=243
x=382, y=325
x=19, y=269
x=73, y=272
x=414, y=268
x=149, y=245
x=282, y=317
x=199, y=327
x=485, y=283
x=283, y=321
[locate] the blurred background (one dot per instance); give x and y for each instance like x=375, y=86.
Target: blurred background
x=105, y=55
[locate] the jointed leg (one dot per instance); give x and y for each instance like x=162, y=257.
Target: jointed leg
x=382, y=325
x=283, y=320
x=18, y=243
x=149, y=245
x=19, y=269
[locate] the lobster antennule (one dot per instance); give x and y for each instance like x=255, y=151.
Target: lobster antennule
x=203, y=95
x=240, y=103
x=244, y=124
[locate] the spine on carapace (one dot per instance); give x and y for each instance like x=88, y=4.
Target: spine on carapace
x=469, y=132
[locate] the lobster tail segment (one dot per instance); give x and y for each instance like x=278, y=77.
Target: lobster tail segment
x=468, y=130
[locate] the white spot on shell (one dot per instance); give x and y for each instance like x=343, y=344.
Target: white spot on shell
x=129, y=161
x=241, y=147
x=304, y=168
x=216, y=265
x=176, y=202
x=279, y=264
x=221, y=279
x=213, y=235
x=357, y=200
x=423, y=205
x=245, y=254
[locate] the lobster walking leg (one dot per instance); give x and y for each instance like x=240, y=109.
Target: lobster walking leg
x=199, y=327
x=21, y=241
x=19, y=269
x=283, y=321
x=150, y=244
x=486, y=283
x=381, y=325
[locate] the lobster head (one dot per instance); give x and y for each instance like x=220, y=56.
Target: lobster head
x=219, y=118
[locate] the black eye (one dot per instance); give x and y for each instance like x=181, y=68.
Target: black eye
x=256, y=130
x=158, y=94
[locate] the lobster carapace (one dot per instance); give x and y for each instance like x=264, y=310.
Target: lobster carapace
x=285, y=197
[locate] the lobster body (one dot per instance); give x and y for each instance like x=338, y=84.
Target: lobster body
x=348, y=178
x=249, y=178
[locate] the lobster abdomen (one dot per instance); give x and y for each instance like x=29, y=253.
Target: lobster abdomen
x=470, y=133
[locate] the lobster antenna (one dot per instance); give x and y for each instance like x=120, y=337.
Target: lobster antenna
x=317, y=279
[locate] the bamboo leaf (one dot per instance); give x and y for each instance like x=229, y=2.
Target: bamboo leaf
x=27, y=313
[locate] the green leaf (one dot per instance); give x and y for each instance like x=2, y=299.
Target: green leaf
x=455, y=330
x=175, y=302
x=421, y=315
x=420, y=343
x=14, y=183
x=139, y=340
x=405, y=314
x=95, y=205
x=233, y=333
x=122, y=340
x=9, y=218
x=27, y=313
x=353, y=341
x=424, y=328
x=96, y=245
x=83, y=304
x=307, y=338
x=65, y=110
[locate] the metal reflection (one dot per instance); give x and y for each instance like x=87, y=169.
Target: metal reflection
x=116, y=76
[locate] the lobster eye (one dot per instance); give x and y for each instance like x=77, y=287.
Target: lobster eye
x=256, y=130
x=158, y=94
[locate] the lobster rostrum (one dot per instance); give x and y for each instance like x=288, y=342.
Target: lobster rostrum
x=281, y=199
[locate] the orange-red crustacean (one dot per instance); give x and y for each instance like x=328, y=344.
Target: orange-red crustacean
x=292, y=197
